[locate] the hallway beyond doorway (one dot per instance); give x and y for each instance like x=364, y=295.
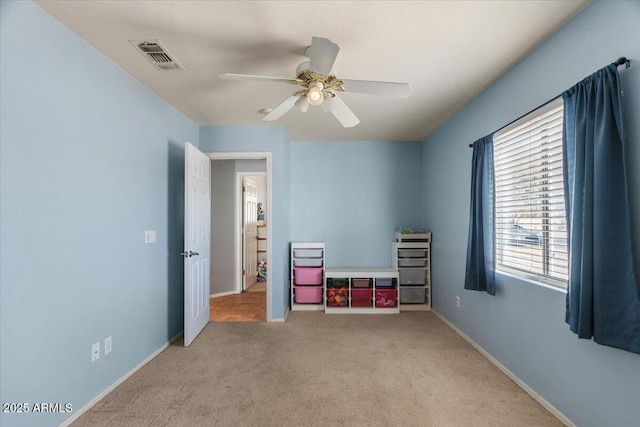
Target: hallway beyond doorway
x=249, y=306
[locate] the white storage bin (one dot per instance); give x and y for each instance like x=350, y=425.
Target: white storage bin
x=413, y=295
x=384, y=282
x=307, y=262
x=413, y=237
x=307, y=253
x=412, y=253
x=412, y=262
x=412, y=276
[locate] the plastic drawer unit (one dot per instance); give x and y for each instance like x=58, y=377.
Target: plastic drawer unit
x=412, y=262
x=361, y=297
x=412, y=277
x=413, y=295
x=307, y=275
x=386, y=297
x=307, y=253
x=412, y=253
x=307, y=294
x=361, y=283
x=307, y=262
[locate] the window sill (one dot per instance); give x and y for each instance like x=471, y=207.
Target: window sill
x=531, y=281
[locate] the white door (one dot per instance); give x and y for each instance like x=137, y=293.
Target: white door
x=197, y=220
x=249, y=232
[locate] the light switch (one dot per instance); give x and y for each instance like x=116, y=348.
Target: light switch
x=95, y=352
x=150, y=236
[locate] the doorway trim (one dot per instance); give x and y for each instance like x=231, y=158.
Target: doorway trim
x=238, y=235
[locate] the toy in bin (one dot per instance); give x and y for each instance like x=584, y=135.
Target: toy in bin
x=337, y=297
x=262, y=271
x=386, y=298
x=260, y=212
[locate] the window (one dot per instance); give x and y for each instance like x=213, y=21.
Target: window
x=531, y=236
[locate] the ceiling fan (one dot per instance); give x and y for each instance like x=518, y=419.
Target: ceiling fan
x=319, y=85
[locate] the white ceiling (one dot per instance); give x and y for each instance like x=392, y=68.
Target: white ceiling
x=448, y=51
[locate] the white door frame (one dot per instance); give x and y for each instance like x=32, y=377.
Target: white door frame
x=238, y=223
x=238, y=211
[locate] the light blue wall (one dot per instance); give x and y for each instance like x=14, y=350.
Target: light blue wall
x=523, y=325
x=353, y=195
x=90, y=159
x=273, y=139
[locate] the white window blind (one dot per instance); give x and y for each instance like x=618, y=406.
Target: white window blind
x=531, y=237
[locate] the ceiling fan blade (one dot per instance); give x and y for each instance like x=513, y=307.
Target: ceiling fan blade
x=395, y=90
x=231, y=76
x=303, y=104
x=343, y=113
x=285, y=106
x=322, y=54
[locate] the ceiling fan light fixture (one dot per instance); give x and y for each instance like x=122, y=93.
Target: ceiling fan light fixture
x=315, y=95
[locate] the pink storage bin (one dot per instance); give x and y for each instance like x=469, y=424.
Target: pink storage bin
x=386, y=297
x=337, y=297
x=307, y=275
x=361, y=297
x=307, y=294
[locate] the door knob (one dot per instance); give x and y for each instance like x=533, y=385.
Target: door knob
x=189, y=254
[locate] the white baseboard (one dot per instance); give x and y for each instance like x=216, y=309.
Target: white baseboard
x=112, y=387
x=222, y=294
x=281, y=320
x=531, y=392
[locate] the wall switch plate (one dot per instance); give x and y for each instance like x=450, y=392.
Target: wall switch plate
x=457, y=301
x=107, y=345
x=95, y=352
x=150, y=236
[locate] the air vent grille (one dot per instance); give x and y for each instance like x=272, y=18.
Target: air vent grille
x=157, y=54
x=160, y=57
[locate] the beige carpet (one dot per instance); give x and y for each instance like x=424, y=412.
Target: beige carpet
x=321, y=369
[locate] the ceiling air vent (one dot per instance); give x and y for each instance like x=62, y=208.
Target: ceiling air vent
x=155, y=52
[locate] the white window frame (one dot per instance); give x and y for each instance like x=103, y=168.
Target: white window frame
x=537, y=251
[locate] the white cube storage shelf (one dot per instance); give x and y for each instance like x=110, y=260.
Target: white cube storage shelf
x=404, y=287
x=361, y=290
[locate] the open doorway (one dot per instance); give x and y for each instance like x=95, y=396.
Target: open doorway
x=253, y=227
x=240, y=236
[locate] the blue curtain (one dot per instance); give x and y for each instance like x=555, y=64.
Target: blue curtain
x=602, y=298
x=480, y=272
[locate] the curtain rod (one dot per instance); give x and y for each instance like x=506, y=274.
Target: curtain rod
x=620, y=61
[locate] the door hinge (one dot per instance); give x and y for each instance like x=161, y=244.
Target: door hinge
x=244, y=272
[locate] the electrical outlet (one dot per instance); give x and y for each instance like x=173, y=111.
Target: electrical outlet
x=95, y=352
x=150, y=236
x=457, y=301
x=107, y=345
